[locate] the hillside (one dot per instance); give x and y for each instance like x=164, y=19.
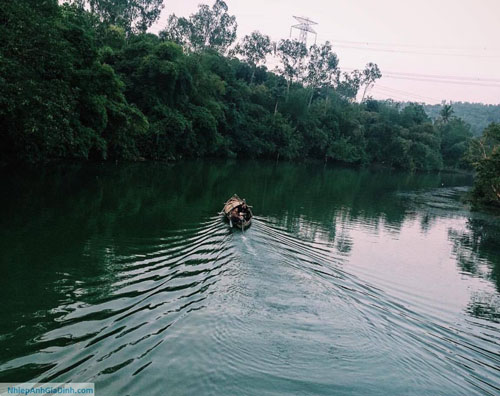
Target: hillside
x=478, y=115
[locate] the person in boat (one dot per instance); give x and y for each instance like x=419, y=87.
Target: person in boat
x=244, y=212
x=236, y=217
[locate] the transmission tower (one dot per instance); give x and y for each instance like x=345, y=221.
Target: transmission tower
x=304, y=27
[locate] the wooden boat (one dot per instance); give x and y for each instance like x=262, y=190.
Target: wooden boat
x=236, y=202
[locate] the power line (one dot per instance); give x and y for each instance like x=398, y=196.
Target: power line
x=395, y=97
x=381, y=91
x=401, y=92
x=431, y=78
x=490, y=85
x=400, y=51
x=388, y=94
x=416, y=46
x=460, y=80
x=401, y=97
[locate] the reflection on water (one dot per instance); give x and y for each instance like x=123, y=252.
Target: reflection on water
x=348, y=282
x=478, y=254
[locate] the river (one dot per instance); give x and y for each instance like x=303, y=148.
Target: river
x=348, y=282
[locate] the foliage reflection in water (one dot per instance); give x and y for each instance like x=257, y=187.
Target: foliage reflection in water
x=348, y=282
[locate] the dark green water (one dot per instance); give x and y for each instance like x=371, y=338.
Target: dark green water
x=349, y=282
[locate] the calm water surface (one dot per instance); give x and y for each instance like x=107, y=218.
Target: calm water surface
x=349, y=282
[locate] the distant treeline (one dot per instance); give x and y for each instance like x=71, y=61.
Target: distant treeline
x=478, y=115
x=84, y=80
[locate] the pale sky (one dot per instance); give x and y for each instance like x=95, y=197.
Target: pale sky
x=411, y=41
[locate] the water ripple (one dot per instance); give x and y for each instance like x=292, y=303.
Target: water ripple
x=231, y=307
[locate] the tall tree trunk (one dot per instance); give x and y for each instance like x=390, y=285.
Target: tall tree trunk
x=311, y=97
x=276, y=108
x=364, y=92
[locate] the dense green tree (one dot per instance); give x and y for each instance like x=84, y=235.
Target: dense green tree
x=348, y=84
x=321, y=67
x=210, y=27
x=131, y=15
x=254, y=49
x=484, y=155
x=370, y=74
x=402, y=138
x=477, y=115
x=446, y=113
x=75, y=85
x=292, y=54
x=455, y=138
x=58, y=100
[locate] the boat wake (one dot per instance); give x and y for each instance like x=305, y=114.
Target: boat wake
x=212, y=311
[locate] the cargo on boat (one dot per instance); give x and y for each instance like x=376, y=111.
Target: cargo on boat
x=237, y=212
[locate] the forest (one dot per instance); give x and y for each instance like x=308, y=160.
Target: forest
x=85, y=80
x=478, y=115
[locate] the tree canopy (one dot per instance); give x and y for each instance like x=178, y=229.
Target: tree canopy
x=484, y=154
x=209, y=28
x=134, y=16
x=83, y=80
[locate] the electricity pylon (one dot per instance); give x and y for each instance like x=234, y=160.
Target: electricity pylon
x=304, y=27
